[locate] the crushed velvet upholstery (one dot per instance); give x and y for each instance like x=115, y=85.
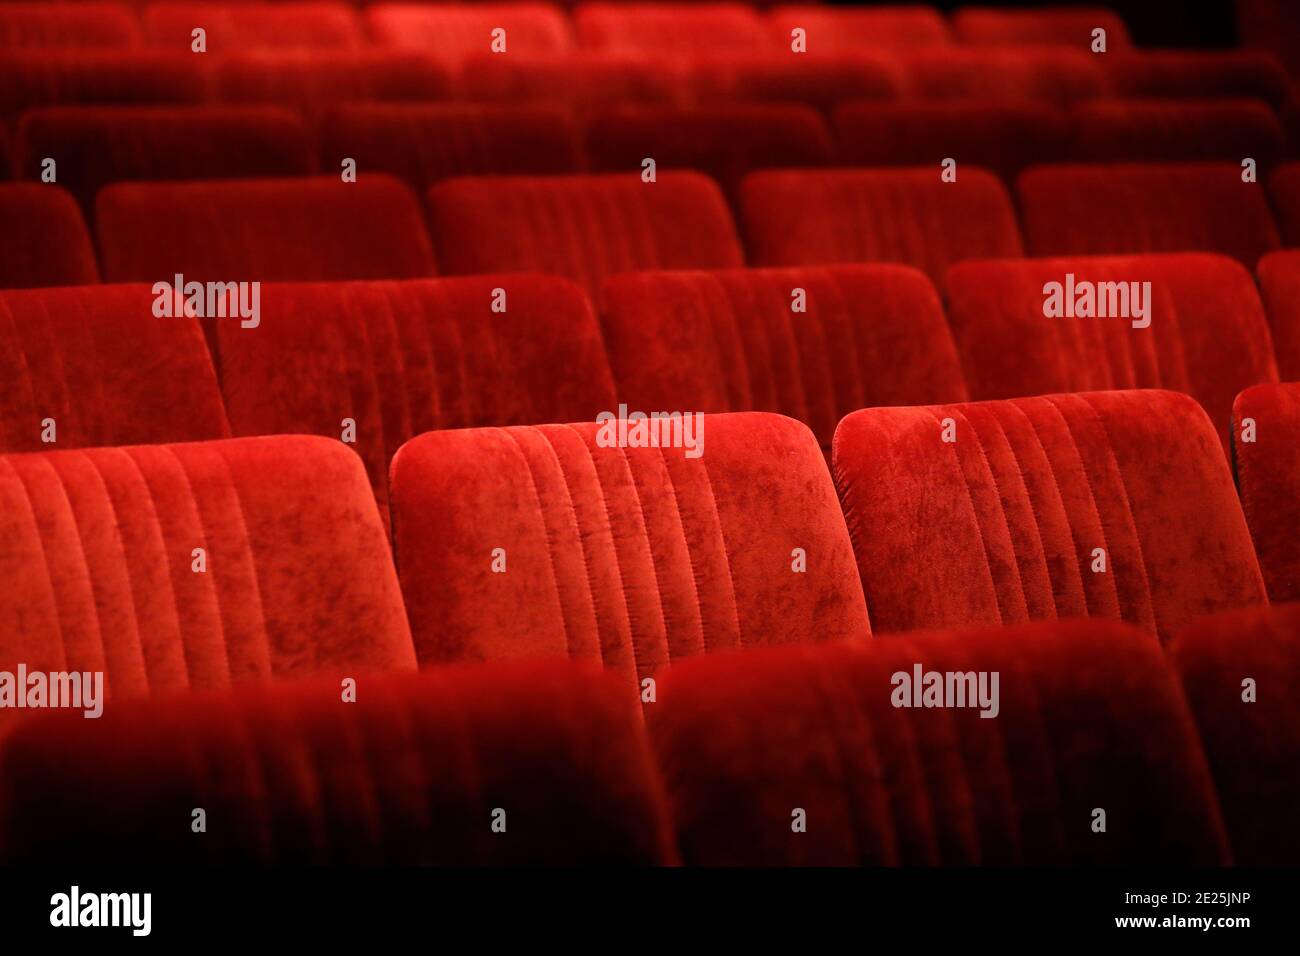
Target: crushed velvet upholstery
x=637, y=557
x=1279, y=287
x=1062, y=26
x=452, y=31
x=67, y=26
x=584, y=227
x=1000, y=526
x=287, y=230
x=1090, y=716
x=1268, y=480
x=423, y=143
x=1252, y=746
x=907, y=216
x=409, y=774
x=849, y=29
x=1181, y=130
x=1056, y=77
x=1124, y=208
x=97, y=361
x=401, y=358
x=820, y=82
x=728, y=341
x=43, y=239
x=1208, y=335
x=238, y=26
x=582, y=79
x=664, y=28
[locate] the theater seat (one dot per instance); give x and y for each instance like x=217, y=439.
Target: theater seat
x=43, y=239
x=262, y=230
x=97, y=361
x=1266, y=452
x=1099, y=504
x=94, y=146
x=732, y=341
x=1136, y=130
x=1196, y=73
x=544, y=542
x=800, y=756
x=173, y=567
x=1035, y=74
x=584, y=227
x=1052, y=26
x=582, y=80
x=726, y=143
x=241, y=26
x=1252, y=745
x=1205, y=331
x=1128, y=208
x=67, y=26
x=669, y=28
x=1284, y=192
x=424, y=143
x=908, y=216
x=451, y=32
x=1279, y=287
x=1002, y=137
x=846, y=29
x=401, y=358
x=420, y=770
x=820, y=82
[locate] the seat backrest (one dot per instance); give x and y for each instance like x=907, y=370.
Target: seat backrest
x=263, y=230
x=811, y=343
x=848, y=29
x=1265, y=439
x=241, y=26
x=1098, y=504
x=909, y=216
x=584, y=227
x=1121, y=208
x=1036, y=74
x=1063, y=26
x=450, y=32
x=1038, y=326
x=1144, y=131
x=1279, y=287
x=1089, y=720
x=1196, y=73
x=43, y=239
x=583, y=80
x=820, y=82
x=633, y=555
x=1284, y=194
x=671, y=28
x=64, y=26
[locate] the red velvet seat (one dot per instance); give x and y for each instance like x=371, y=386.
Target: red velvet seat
x=907, y=216
x=820, y=82
x=424, y=143
x=98, y=551
x=1284, y=193
x=43, y=239
x=262, y=230
x=64, y=25
x=848, y=29
x=582, y=80
x=1090, y=718
x=1207, y=334
x=1136, y=130
x=1268, y=480
x=451, y=32
x=1197, y=73
x=1063, y=26
x=584, y=227
x=94, y=146
x=1002, y=137
x=1090, y=210
x=401, y=358
x=1012, y=520
x=730, y=341
x=420, y=770
x=725, y=142
x=1251, y=746
x=634, y=556
x=669, y=28
x=98, y=362
x=1035, y=74
x=1279, y=287
x=241, y=26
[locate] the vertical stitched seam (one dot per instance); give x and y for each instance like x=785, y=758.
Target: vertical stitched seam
x=690, y=557
x=252, y=555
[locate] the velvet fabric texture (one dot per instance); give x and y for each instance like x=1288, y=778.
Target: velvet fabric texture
x=584, y=227
x=1056, y=77
x=729, y=341
x=401, y=358
x=97, y=552
x=95, y=146
x=1284, y=193
x=636, y=557
x=819, y=82
x=1090, y=716
x=452, y=32
x=907, y=216
x=1065, y=27
x=1251, y=746
x=424, y=143
x=1279, y=287
x=89, y=25
x=97, y=361
x=1000, y=136
x=1207, y=337
x=667, y=29
x=43, y=239
x=849, y=29
x=1187, y=74
x=238, y=27
x=412, y=773
x=725, y=142
x=1003, y=524
x=270, y=230
x=581, y=80
x=1136, y=130
x=1268, y=481
x=1070, y=210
